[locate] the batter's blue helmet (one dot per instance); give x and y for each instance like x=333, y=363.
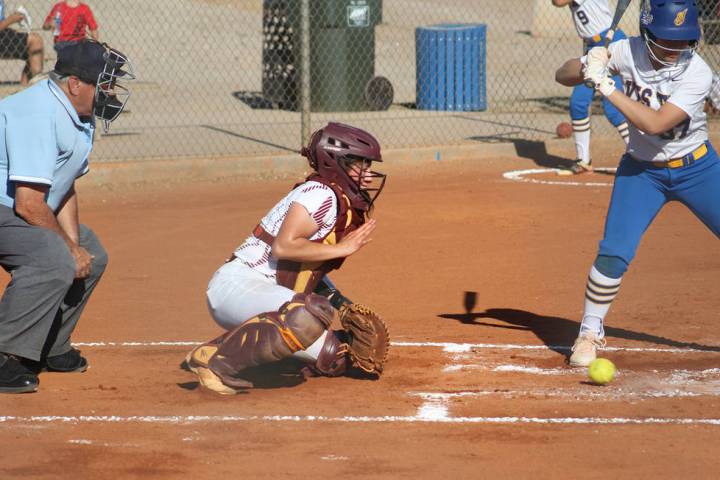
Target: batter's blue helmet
x=671, y=19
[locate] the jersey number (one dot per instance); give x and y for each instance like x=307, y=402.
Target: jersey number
x=683, y=127
x=582, y=17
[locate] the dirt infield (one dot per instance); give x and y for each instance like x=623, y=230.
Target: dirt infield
x=467, y=394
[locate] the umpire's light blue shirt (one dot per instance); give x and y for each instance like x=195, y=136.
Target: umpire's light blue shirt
x=43, y=142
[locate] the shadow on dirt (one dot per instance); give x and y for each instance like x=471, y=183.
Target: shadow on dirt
x=283, y=374
x=532, y=150
x=537, y=152
x=556, y=333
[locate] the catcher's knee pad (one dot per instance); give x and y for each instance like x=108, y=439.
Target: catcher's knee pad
x=273, y=336
x=303, y=313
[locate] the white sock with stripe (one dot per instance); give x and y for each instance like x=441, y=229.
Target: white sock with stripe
x=624, y=132
x=581, y=129
x=600, y=291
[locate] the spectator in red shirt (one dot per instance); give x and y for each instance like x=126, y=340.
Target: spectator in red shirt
x=71, y=20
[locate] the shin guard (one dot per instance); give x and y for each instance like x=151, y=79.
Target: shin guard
x=272, y=336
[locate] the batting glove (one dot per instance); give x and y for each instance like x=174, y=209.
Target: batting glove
x=598, y=56
x=606, y=86
x=596, y=63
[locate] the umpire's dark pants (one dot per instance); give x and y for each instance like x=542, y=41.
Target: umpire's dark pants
x=43, y=302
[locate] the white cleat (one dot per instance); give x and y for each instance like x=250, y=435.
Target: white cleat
x=585, y=349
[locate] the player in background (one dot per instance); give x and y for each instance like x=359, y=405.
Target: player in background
x=592, y=19
x=712, y=105
x=71, y=21
x=669, y=157
x=23, y=45
x=264, y=295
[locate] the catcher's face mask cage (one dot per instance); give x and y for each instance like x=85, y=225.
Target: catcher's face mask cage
x=110, y=95
x=369, y=183
x=338, y=147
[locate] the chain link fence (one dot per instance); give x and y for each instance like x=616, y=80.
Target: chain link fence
x=225, y=77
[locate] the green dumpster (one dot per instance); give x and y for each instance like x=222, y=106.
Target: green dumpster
x=342, y=53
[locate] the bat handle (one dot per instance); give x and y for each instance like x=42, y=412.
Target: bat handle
x=608, y=38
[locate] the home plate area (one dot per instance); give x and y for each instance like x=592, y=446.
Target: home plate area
x=532, y=384
x=425, y=382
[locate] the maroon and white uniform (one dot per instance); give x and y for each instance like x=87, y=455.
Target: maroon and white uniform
x=320, y=202
x=247, y=286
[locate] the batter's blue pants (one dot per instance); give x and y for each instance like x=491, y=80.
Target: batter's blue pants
x=641, y=190
x=582, y=96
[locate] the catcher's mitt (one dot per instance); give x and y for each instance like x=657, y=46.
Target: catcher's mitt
x=368, y=338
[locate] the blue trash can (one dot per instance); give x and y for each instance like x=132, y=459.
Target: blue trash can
x=450, y=66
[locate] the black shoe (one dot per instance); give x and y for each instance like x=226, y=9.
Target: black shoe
x=14, y=377
x=71, y=361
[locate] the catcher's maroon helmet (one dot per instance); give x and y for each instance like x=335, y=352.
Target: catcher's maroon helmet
x=333, y=148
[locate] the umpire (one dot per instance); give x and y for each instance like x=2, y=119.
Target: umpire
x=54, y=261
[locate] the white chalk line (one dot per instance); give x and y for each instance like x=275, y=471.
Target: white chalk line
x=137, y=344
x=521, y=176
x=457, y=367
x=683, y=374
x=601, y=393
x=195, y=419
x=436, y=406
x=435, y=409
x=449, y=347
x=470, y=347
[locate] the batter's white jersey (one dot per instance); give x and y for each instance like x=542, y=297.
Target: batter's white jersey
x=591, y=17
x=685, y=87
x=320, y=202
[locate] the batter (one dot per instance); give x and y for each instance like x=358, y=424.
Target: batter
x=663, y=87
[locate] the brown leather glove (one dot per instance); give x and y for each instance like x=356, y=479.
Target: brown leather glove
x=368, y=338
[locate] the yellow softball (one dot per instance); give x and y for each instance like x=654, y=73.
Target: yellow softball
x=601, y=371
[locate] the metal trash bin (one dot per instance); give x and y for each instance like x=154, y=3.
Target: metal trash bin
x=342, y=53
x=451, y=67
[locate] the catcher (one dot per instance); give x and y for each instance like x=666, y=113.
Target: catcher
x=273, y=295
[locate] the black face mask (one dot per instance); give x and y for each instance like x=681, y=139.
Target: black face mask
x=110, y=96
x=107, y=107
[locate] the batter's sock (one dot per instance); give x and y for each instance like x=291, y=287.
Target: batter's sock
x=581, y=129
x=624, y=132
x=599, y=294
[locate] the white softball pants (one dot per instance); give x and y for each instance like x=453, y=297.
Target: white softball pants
x=236, y=293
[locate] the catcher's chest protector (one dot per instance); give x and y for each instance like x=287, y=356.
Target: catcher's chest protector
x=304, y=277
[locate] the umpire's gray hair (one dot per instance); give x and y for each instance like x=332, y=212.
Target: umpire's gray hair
x=58, y=78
